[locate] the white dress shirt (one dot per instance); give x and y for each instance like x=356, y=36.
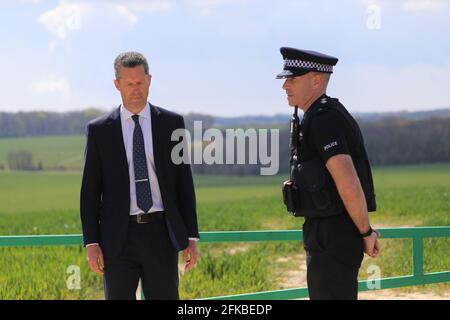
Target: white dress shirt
x=127, y=131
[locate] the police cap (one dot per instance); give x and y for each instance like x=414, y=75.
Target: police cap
x=299, y=62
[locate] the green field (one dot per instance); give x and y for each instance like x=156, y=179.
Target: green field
x=47, y=203
x=54, y=152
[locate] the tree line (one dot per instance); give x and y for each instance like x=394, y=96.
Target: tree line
x=388, y=141
x=30, y=124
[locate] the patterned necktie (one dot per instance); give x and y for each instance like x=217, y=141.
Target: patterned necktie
x=142, y=181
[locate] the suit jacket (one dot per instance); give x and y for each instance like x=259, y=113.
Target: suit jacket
x=105, y=188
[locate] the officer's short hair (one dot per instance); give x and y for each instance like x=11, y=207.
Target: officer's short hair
x=326, y=77
x=130, y=59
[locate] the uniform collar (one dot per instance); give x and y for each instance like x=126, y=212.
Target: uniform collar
x=323, y=99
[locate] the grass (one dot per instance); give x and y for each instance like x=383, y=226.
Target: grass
x=47, y=203
x=53, y=151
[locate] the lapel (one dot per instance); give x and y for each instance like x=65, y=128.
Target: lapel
x=157, y=129
x=116, y=125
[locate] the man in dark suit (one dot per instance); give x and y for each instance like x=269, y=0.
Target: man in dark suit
x=137, y=206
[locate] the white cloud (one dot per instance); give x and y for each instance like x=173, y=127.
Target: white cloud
x=124, y=12
x=67, y=16
x=64, y=18
x=51, y=84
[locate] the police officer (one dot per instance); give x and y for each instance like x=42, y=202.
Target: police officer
x=331, y=181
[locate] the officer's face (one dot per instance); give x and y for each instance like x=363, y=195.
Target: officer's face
x=299, y=90
x=133, y=85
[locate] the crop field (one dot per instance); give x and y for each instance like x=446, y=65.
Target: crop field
x=54, y=152
x=47, y=203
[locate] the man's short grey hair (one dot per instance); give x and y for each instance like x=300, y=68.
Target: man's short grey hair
x=130, y=59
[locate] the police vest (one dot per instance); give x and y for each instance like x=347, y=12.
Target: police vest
x=314, y=189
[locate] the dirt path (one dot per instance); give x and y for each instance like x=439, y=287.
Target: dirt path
x=296, y=278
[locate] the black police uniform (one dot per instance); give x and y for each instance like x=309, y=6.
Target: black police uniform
x=333, y=244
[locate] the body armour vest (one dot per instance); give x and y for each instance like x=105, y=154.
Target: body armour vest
x=311, y=191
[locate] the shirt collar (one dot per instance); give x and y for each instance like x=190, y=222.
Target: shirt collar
x=126, y=114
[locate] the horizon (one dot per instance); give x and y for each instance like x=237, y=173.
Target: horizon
x=105, y=111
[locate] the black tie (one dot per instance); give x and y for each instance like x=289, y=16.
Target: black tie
x=143, y=191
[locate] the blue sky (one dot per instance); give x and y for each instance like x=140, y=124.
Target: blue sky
x=220, y=57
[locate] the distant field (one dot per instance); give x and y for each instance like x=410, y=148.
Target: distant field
x=47, y=203
x=52, y=151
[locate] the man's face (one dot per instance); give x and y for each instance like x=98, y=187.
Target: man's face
x=133, y=85
x=299, y=90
